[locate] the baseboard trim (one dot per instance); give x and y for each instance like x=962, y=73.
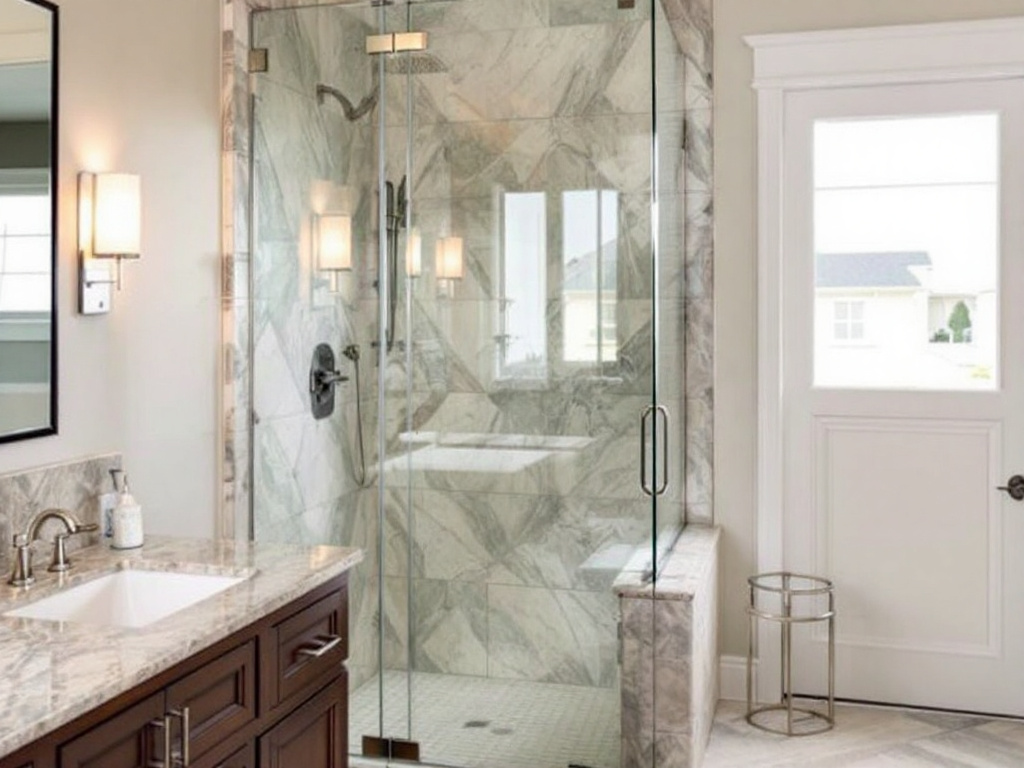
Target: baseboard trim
x=732, y=677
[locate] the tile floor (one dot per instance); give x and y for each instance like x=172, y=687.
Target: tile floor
x=474, y=722
x=866, y=737
x=480, y=723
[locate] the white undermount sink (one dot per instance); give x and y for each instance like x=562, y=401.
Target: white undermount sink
x=126, y=598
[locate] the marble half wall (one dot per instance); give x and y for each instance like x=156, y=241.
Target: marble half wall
x=670, y=657
x=71, y=485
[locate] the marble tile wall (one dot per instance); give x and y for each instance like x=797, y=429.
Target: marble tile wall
x=510, y=570
x=72, y=485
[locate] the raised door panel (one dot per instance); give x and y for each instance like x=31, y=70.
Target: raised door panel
x=220, y=697
x=128, y=740
x=314, y=736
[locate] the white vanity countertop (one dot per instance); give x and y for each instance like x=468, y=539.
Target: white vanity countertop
x=52, y=672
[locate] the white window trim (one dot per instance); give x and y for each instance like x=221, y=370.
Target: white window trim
x=786, y=63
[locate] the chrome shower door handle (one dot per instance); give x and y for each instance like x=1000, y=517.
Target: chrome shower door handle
x=663, y=448
x=645, y=414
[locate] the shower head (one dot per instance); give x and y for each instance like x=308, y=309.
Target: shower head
x=352, y=112
x=415, y=64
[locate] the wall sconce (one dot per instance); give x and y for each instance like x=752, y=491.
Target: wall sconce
x=109, y=227
x=449, y=261
x=414, y=253
x=334, y=245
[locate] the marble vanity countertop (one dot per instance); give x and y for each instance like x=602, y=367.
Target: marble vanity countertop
x=51, y=672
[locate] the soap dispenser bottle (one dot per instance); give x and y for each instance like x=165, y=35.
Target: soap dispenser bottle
x=127, y=521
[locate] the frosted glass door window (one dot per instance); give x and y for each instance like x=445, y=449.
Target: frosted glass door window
x=906, y=244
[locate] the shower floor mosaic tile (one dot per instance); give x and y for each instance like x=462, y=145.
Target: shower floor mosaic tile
x=476, y=722
x=868, y=737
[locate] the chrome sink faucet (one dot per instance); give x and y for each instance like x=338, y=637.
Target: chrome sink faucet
x=21, y=573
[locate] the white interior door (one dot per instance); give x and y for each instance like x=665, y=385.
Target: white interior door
x=903, y=387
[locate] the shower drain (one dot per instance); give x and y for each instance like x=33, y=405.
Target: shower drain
x=476, y=723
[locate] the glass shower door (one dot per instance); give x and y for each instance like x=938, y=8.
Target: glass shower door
x=527, y=135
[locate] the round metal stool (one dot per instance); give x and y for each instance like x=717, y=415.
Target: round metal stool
x=795, y=599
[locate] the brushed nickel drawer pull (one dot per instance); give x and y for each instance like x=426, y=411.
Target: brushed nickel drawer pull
x=186, y=734
x=327, y=644
x=164, y=724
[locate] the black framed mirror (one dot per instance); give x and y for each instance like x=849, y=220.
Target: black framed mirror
x=28, y=219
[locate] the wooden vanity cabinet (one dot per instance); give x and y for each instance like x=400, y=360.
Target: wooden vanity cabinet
x=273, y=695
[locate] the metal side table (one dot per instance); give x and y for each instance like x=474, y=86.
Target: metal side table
x=787, y=599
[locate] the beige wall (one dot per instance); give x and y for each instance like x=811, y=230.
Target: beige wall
x=736, y=244
x=140, y=85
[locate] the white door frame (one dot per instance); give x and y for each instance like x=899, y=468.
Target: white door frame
x=784, y=63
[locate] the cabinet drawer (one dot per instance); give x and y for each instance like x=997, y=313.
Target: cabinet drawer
x=311, y=645
x=220, y=696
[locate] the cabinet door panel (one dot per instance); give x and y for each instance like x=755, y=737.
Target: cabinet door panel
x=221, y=698
x=125, y=741
x=243, y=758
x=314, y=736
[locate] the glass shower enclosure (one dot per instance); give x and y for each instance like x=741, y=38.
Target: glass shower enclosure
x=467, y=351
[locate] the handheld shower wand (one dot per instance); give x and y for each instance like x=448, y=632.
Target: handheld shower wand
x=396, y=210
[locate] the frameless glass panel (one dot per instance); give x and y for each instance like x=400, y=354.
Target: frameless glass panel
x=314, y=251
x=906, y=252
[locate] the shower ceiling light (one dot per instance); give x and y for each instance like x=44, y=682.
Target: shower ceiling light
x=109, y=227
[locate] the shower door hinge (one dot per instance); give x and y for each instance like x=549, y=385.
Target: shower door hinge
x=626, y=4
x=397, y=42
x=259, y=60
x=392, y=749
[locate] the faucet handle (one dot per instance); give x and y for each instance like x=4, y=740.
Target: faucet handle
x=59, y=562
x=21, y=571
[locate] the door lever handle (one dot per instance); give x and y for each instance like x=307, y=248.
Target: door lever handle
x=1014, y=487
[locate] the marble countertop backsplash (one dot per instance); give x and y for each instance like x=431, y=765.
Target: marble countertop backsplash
x=53, y=672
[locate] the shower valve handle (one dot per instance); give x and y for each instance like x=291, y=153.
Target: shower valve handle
x=322, y=380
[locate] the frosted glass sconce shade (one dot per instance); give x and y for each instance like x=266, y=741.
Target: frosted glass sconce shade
x=334, y=242
x=117, y=215
x=414, y=253
x=449, y=259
